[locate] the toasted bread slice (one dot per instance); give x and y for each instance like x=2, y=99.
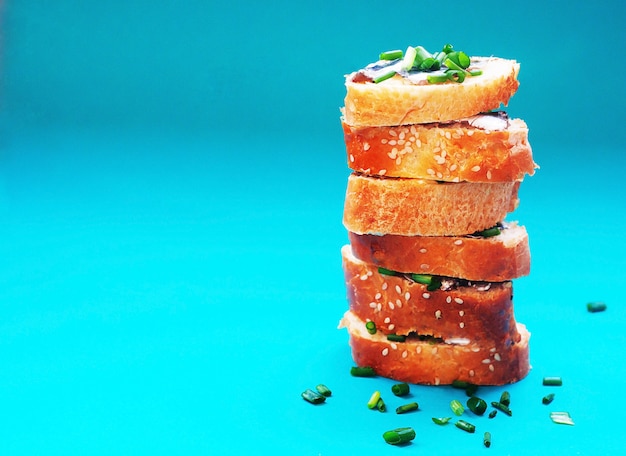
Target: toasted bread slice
x=400, y=101
x=424, y=362
x=489, y=259
x=483, y=148
x=420, y=207
x=458, y=310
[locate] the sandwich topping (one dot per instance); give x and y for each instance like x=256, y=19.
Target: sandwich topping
x=418, y=66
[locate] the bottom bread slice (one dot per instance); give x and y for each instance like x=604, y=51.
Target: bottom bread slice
x=434, y=362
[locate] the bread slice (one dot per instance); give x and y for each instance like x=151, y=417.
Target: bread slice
x=400, y=101
x=490, y=259
x=420, y=207
x=424, y=362
x=483, y=148
x=458, y=310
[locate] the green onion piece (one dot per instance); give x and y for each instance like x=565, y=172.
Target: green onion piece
x=552, y=381
x=380, y=405
x=448, y=48
x=437, y=78
x=471, y=390
x=421, y=54
x=459, y=58
x=408, y=61
x=396, y=337
x=323, y=390
x=487, y=439
x=476, y=405
x=596, y=307
x=505, y=398
x=503, y=408
x=493, y=413
x=435, y=284
x=561, y=418
x=464, y=425
x=457, y=407
x=365, y=371
x=475, y=72
x=460, y=384
x=384, y=77
x=490, y=232
x=391, y=55
x=441, y=421
x=410, y=407
x=371, y=327
x=371, y=404
x=456, y=75
x=430, y=64
x=313, y=397
x=385, y=271
x=399, y=436
x=547, y=399
x=424, y=279
x=400, y=389
x=452, y=65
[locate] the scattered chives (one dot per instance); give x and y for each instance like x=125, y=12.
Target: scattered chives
x=323, y=390
x=400, y=389
x=547, y=399
x=365, y=371
x=493, y=413
x=465, y=426
x=505, y=398
x=380, y=405
x=373, y=402
x=396, y=337
x=561, y=418
x=410, y=407
x=391, y=55
x=490, y=232
x=313, y=397
x=441, y=421
x=386, y=271
x=476, y=405
x=487, y=439
x=371, y=327
x=503, y=408
x=457, y=407
x=384, y=77
x=399, y=436
x=596, y=307
x=552, y=381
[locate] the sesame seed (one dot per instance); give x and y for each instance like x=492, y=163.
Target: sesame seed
x=351, y=158
x=364, y=277
x=402, y=135
x=461, y=313
x=486, y=361
x=440, y=175
x=405, y=354
x=382, y=172
x=489, y=174
x=398, y=160
x=458, y=242
x=426, y=295
x=437, y=381
x=492, y=350
x=394, y=345
x=475, y=349
x=379, y=307
x=392, y=142
x=491, y=367
x=497, y=357
x=470, y=132
x=393, y=154
x=458, y=300
x=461, y=325
x=430, y=172
x=372, y=305
x=398, y=289
x=449, y=299
x=438, y=314
x=398, y=303
x=472, y=373
x=385, y=351
x=418, y=143
x=391, y=327
x=424, y=266
x=422, y=250
x=393, y=133
x=418, y=349
x=453, y=167
x=448, y=135
x=475, y=168
x=391, y=305
x=366, y=146
x=383, y=141
x=378, y=296
x=385, y=285
x=387, y=320
x=407, y=296
x=434, y=351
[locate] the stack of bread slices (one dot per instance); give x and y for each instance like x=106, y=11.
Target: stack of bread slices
x=435, y=170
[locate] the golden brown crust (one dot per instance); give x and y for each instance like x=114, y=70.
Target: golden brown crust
x=494, y=259
x=394, y=102
x=417, y=207
x=401, y=306
x=450, y=152
x=422, y=362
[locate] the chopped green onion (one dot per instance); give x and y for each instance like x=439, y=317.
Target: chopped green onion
x=561, y=418
x=386, y=271
x=313, y=397
x=456, y=75
x=371, y=404
x=460, y=384
x=547, y=399
x=396, y=337
x=490, y=232
x=409, y=58
x=380, y=405
x=437, y=78
x=399, y=436
x=471, y=390
x=457, y=407
x=552, y=381
x=475, y=72
x=459, y=58
x=476, y=405
x=464, y=425
x=441, y=421
x=493, y=413
x=323, y=390
x=503, y=408
x=384, y=77
x=505, y=398
x=596, y=307
x=410, y=407
x=400, y=389
x=364, y=371
x=421, y=55
x=452, y=65
x=487, y=439
x=371, y=327
x=432, y=282
x=448, y=48
x=391, y=55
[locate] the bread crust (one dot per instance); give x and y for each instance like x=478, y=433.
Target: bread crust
x=401, y=306
x=450, y=152
x=396, y=102
x=420, y=207
x=425, y=363
x=493, y=259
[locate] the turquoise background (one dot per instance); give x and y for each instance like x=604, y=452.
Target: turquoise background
x=171, y=185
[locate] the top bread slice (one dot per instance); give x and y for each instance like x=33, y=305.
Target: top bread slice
x=398, y=101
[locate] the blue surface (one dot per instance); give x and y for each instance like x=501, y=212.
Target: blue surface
x=170, y=277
